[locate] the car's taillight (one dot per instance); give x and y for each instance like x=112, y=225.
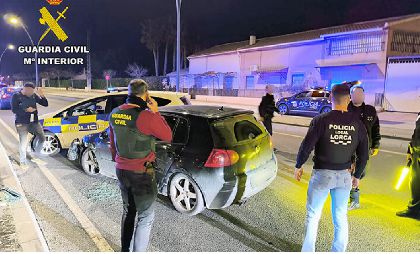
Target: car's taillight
x=221, y=158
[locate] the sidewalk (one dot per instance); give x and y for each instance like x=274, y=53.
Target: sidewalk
x=19, y=230
x=393, y=124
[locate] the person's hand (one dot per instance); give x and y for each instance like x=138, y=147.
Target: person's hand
x=261, y=119
x=355, y=182
x=152, y=104
x=30, y=110
x=298, y=173
x=40, y=92
x=352, y=168
x=374, y=151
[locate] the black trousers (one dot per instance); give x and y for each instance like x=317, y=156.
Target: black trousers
x=415, y=182
x=139, y=192
x=268, y=123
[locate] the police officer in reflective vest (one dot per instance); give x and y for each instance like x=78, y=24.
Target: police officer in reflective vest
x=413, y=210
x=134, y=127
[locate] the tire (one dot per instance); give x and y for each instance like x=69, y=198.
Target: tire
x=89, y=163
x=284, y=109
x=325, y=110
x=180, y=198
x=51, y=145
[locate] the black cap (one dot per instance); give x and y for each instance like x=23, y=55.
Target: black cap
x=340, y=89
x=29, y=84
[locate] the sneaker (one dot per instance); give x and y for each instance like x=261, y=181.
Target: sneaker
x=354, y=205
x=409, y=214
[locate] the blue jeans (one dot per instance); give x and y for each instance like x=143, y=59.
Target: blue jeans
x=324, y=182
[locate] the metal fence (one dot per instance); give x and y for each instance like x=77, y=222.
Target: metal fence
x=251, y=93
x=155, y=83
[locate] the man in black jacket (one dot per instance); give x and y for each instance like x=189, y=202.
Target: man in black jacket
x=336, y=136
x=267, y=108
x=370, y=120
x=413, y=210
x=24, y=106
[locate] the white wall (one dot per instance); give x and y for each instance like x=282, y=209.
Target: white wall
x=218, y=63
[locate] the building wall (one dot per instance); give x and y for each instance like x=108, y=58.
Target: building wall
x=218, y=63
x=412, y=25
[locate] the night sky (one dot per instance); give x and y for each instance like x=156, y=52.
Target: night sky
x=115, y=28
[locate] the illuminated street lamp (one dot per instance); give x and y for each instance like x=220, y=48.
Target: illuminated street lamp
x=8, y=47
x=15, y=21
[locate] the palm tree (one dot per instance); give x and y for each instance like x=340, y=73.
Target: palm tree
x=152, y=35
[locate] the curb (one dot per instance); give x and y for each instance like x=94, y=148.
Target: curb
x=28, y=232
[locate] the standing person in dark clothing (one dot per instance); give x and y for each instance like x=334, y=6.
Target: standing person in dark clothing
x=336, y=136
x=370, y=119
x=267, y=108
x=24, y=106
x=134, y=127
x=413, y=210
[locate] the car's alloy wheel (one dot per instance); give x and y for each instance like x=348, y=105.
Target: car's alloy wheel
x=51, y=145
x=185, y=195
x=89, y=162
x=283, y=109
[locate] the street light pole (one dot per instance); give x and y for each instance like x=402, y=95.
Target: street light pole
x=36, y=54
x=178, y=43
x=16, y=21
x=10, y=47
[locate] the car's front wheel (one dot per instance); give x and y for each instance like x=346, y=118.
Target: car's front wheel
x=89, y=162
x=50, y=147
x=185, y=195
x=284, y=110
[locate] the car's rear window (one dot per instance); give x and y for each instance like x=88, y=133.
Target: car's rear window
x=245, y=130
x=236, y=129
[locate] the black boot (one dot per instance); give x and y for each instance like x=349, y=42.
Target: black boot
x=409, y=213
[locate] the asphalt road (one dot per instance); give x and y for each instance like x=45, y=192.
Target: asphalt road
x=273, y=220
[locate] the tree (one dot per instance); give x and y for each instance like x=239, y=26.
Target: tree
x=152, y=34
x=136, y=71
x=169, y=38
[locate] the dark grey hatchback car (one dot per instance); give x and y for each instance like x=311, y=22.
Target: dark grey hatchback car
x=218, y=157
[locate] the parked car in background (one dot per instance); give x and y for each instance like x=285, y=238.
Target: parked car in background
x=218, y=157
x=90, y=116
x=311, y=102
x=6, y=94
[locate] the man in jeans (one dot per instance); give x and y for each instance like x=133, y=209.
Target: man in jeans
x=24, y=106
x=336, y=136
x=134, y=127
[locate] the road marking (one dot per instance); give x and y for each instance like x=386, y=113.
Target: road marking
x=87, y=225
x=302, y=137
